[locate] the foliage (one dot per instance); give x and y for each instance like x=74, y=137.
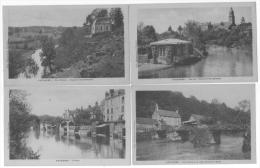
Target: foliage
x=117, y=15
x=16, y=63
x=102, y=55
x=33, y=67
x=48, y=52
x=85, y=116
x=168, y=100
x=19, y=124
x=146, y=35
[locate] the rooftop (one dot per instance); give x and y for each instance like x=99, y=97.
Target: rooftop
x=169, y=41
x=167, y=113
x=147, y=121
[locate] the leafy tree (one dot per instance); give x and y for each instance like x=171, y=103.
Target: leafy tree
x=170, y=28
x=19, y=124
x=180, y=29
x=16, y=63
x=117, y=15
x=243, y=20
x=147, y=35
x=48, y=52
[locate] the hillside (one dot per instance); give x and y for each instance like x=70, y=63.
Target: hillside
x=168, y=100
x=82, y=55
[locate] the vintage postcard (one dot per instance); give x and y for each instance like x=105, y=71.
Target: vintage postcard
x=67, y=125
x=66, y=43
x=180, y=124
x=194, y=42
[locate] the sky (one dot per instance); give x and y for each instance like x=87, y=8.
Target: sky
x=54, y=101
x=66, y=16
x=228, y=94
x=162, y=18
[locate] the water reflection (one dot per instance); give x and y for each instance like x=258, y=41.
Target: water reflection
x=52, y=145
x=229, y=149
x=221, y=62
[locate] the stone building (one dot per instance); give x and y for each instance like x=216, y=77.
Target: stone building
x=171, y=118
x=114, y=105
x=101, y=24
x=170, y=51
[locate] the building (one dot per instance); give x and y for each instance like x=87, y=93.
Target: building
x=101, y=24
x=196, y=119
x=146, y=124
x=114, y=105
x=165, y=117
x=231, y=17
x=170, y=51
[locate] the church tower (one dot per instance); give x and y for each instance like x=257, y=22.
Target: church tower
x=231, y=17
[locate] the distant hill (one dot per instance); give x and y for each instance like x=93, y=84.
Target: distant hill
x=169, y=100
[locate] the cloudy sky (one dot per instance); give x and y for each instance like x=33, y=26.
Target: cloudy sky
x=229, y=94
x=53, y=101
x=162, y=18
x=47, y=15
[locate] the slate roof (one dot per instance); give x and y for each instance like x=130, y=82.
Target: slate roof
x=146, y=121
x=167, y=113
x=169, y=42
x=103, y=20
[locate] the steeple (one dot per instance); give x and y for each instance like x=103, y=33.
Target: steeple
x=231, y=17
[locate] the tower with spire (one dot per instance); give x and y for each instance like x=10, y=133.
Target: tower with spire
x=231, y=17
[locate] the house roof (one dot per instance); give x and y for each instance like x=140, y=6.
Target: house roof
x=146, y=121
x=195, y=118
x=103, y=20
x=167, y=113
x=169, y=41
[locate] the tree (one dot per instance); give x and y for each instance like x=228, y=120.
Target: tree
x=180, y=29
x=48, y=52
x=16, y=63
x=243, y=106
x=170, y=28
x=19, y=124
x=147, y=35
x=243, y=20
x=117, y=15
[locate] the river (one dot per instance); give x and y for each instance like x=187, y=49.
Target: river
x=36, y=56
x=229, y=149
x=221, y=62
x=51, y=145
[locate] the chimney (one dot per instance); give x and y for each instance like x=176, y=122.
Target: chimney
x=156, y=107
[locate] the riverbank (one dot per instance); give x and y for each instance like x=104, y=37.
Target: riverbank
x=229, y=149
x=220, y=62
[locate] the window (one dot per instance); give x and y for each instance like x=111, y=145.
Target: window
x=123, y=99
x=111, y=110
x=107, y=111
x=122, y=109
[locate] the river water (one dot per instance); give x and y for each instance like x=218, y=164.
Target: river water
x=51, y=145
x=221, y=62
x=36, y=56
x=229, y=149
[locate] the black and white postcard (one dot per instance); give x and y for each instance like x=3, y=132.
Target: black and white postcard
x=57, y=43
x=194, y=42
x=67, y=126
x=194, y=124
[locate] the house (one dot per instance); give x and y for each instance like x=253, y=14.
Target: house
x=114, y=105
x=196, y=119
x=146, y=124
x=101, y=24
x=165, y=117
x=170, y=51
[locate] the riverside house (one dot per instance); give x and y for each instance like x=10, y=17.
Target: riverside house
x=170, y=51
x=171, y=118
